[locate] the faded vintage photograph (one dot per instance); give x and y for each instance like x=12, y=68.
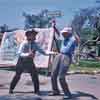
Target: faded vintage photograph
x=50, y=50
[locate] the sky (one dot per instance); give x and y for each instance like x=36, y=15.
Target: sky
x=11, y=10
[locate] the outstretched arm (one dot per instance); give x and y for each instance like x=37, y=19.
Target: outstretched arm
x=42, y=51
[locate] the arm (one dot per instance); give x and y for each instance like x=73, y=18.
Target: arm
x=21, y=51
x=77, y=38
x=38, y=48
x=47, y=53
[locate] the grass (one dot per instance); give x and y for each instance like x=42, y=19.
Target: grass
x=86, y=65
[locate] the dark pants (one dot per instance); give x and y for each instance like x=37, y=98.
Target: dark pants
x=26, y=64
x=60, y=67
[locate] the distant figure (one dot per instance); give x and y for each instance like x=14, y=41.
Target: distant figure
x=62, y=62
x=25, y=62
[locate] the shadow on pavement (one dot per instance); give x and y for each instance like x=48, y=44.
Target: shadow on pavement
x=30, y=96
x=41, y=93
x=81, y=94
x=22, y=92
x=48, y=93
x=19, y=98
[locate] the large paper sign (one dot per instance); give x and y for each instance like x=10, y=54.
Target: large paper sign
x=11, y=41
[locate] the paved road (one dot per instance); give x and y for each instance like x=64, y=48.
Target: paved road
x=83, y=87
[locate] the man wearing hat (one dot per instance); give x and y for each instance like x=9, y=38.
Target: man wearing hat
x=62, y=62
x=25, y=62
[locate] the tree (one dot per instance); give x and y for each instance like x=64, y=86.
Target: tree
x=86, y=23
x=3, y=28
x=87, y=18
x=40, y=20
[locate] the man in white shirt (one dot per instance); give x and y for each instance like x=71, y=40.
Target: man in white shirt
x=26, y=54
x=62, y=62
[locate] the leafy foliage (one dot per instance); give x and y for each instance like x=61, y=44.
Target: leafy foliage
x=40, y=20
x=89, y=63
x=87, y=20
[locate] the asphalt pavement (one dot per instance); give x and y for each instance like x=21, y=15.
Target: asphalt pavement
x=82, y=86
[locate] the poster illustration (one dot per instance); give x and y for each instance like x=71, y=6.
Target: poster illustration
x=11, y=41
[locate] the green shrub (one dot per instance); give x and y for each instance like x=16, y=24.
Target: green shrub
x=89, y=63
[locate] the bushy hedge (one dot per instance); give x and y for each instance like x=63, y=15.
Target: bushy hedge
x=89, y=63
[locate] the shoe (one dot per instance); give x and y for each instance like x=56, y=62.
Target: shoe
x=68, y=95
x=10, y=91
x=55, y=93
x=37, y=92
